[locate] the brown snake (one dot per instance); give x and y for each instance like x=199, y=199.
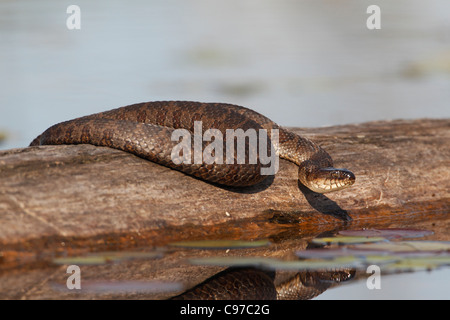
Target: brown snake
x=145, y=129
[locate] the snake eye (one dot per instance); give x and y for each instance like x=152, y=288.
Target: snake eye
x=336, y=174
x=348, y=175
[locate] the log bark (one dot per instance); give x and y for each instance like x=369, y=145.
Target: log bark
x=52, y=193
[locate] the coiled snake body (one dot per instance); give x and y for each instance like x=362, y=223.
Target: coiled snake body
x=145, y=129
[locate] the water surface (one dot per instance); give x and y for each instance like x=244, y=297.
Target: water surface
x=301, y=63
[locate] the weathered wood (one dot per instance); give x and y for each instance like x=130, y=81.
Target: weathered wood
x=402, y=170
x=69, y=200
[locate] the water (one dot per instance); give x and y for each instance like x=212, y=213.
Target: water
x=418, y=285
x=301, y=63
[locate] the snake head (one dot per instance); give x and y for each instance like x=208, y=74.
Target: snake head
x=323, y=180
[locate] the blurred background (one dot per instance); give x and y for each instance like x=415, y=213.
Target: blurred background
x=301, y=63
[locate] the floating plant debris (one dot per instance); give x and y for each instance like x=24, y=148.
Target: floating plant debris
x=393, y=256
x=408, y=246
x=108, y=257
x=277, y=264
x=220, y=244
x=356, y=249
x=347, y=240
x=418, y=263
x=392, y=233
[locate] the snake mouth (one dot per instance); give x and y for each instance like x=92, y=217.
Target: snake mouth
x=330, y=179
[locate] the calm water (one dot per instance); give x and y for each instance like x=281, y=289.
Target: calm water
x=418, y=285
x=302, y=63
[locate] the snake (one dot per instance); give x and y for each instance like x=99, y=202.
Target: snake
x=147, y=130
x=249, y=283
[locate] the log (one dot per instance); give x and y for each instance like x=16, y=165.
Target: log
x=66, y=200
x=401, y=168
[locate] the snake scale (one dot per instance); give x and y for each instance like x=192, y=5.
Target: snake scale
x=145, y=129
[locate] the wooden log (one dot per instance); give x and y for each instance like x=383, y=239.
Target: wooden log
x=79, y=193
